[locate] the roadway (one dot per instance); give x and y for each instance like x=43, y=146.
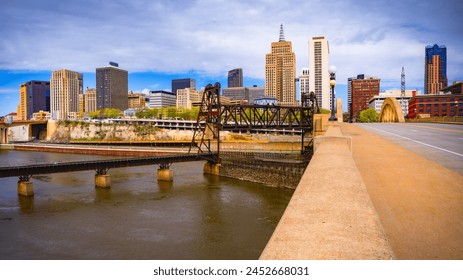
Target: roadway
x=413, y=174
x=440, y=143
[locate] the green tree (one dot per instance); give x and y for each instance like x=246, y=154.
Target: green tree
x=325, y=111
x=106, y=113
x=369, y=115
x=94, y=114
x=112, y=113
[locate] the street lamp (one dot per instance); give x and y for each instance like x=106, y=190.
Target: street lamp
x=332, y=71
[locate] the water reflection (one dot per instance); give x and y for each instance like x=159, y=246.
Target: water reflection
x=102, y=195
x=165, y=186
x=195, y=216
x=26, y=204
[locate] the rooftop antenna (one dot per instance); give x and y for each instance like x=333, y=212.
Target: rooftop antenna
x=402, y=90
x=282, y=34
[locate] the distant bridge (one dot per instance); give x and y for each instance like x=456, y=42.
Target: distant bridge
x=5, y=125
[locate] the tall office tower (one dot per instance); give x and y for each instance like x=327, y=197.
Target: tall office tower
x=112, y=87
x=435, y=69
x=363, y=89
x=304, y=82
x=34, y=96
x=235, y=78
x=349, y=95
x=319, y=60
x=90, y=100
x=280, y=71
x=65, y=87
x=183, y=84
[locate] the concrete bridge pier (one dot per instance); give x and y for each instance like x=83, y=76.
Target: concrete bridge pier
x=25, y=186
x=211, y=168
x=102, y=179
x=3, y=135
x=165, y=173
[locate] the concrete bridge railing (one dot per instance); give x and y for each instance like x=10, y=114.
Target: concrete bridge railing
x=330, y=215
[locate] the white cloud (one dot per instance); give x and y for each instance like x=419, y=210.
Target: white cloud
x=211, y=37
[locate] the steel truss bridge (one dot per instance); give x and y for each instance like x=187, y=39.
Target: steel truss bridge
x=214, y=117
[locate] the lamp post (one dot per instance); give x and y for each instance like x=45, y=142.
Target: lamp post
x=332, y=71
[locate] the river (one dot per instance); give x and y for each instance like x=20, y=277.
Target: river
x=194, y=217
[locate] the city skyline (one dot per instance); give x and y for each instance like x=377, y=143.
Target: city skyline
x=375, y=39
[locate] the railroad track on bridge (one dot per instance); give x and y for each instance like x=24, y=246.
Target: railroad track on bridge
x=100, y=165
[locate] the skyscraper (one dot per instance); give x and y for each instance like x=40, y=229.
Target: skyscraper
x=319, y=60
x=65, y=87
x=280, y=71
x=183, y=84
x=435, y=72
x=111, y=87
x=34, y=96
x=304, y=82
x=235, y=78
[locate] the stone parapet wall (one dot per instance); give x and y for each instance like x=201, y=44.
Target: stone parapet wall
x=330, y=215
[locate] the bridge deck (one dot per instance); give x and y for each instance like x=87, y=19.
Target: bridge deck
x=46, y=168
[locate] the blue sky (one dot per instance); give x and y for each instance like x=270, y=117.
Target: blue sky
x=157, y=41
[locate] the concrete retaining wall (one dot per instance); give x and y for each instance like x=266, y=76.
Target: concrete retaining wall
x=271, y=169
x=330, y=215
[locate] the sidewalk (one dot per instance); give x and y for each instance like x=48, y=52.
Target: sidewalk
x=419, y=202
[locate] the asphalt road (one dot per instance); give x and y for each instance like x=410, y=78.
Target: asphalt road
x=441, y=143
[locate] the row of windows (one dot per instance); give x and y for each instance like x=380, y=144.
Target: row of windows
x=452, y=99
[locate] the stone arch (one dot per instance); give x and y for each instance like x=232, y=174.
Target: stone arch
x=391, y=111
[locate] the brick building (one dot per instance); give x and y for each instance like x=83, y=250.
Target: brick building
x=362, y=89
x=434, y=105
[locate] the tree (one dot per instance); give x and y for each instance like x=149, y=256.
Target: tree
x=94, y=114
x=106, y=113
x=369, y=115
x=325, y=111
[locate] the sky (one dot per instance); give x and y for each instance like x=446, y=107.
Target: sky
x=157, y=41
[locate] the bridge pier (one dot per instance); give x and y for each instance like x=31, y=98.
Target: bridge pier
x=102, y=179
x=165, y=173
x=25, y=186
x=211, y=168
x=3, y=135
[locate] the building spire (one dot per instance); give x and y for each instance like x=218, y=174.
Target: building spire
x=282, y=34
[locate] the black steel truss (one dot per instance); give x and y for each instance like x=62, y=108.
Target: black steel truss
x=208, y=123
x=213, y=117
